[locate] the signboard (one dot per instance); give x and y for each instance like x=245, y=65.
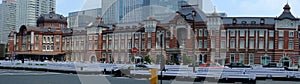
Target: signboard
x=134, y=50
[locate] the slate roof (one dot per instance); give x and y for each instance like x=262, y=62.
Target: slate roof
x=228, y=20
x=52, y=17
x=187, y=10
x=287, y=13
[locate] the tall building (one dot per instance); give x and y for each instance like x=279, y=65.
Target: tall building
x=7, y=19
x=117, y=11
x=28, y=11
x=81, y=19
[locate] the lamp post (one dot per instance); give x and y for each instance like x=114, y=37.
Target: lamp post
x=194, y=38
x=162, y=63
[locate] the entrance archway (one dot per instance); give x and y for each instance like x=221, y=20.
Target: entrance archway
x=93, y=59
x=286, y=62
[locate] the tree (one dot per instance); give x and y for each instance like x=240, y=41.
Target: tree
x=186, y=60
x=148, y=59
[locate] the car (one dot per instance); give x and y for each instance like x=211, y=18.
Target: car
x=237, y=65
x=212, y=65
x=271, y=65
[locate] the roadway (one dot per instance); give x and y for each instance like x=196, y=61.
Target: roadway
x=35, y=77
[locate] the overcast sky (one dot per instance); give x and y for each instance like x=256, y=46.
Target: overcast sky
x=271, y=8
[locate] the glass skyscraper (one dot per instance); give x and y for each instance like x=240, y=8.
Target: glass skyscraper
x=115, y=11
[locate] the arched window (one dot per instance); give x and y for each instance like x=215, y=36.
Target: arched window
x=265, y=60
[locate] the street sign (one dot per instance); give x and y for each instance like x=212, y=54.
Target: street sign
x=134, y=50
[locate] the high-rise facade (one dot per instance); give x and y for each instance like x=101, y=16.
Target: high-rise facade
x=7, y=19
x=81, y=19
x=116, y=11
x=27, y=11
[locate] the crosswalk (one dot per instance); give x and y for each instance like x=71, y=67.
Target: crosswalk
x=24, y=73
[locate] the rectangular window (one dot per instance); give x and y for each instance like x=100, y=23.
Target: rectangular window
x=136, y=44
x=271, y=33
x=261, y=44
x=200, y=32
x=136, y=35
x=205, y=32
x=281, y=33
x=103, y=37
x=122, y=35
x=252, y=32
x=143, y=44
x=200, y=44
x=280, y=44
x=95, y=38
x=57, y=38
x=116, y=36
x=149, y=34
x=109, y=36
x=129, y=35
x=212, y=43
x=36, y=38
x=251, y=45
x=36, y=47
x=110, y=45
x=91, y=46
x=291, y=44
x=271, y=44
x=167, y=44
x=251, y=58
x=232, y=58
x=212, y=33
x=242, y=33
x=168, y=34
x=103, y=46
x=149, y=44
x=143, y=35
x=241, y=59
x=291, y=33
x=232, y=44
x=205, y=43
x=116, y=45
x=122, y=45
x=223, y=44
x=129, y=44
x=95, y=45
x=223, y=33
x=242, y=43
x=261, y=33
x=232, y=33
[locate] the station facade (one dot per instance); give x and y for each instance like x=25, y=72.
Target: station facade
x=188, y=35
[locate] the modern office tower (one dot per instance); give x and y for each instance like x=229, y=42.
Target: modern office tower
x=29, y=10
x=110, y=12
x=7, y=19
x=115, y=11
x=81, y=19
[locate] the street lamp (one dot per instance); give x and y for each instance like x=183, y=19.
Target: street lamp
x=194, y=38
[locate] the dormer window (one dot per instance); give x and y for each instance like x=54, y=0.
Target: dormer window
x=253, y=22
x=234, y=21
x=244, y=22
x=262, y=21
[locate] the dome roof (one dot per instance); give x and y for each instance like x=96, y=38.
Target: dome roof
x=287, y=13
x=52, y=17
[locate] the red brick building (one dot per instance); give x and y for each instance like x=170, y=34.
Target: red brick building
x=188, y=35
x=43, y=42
